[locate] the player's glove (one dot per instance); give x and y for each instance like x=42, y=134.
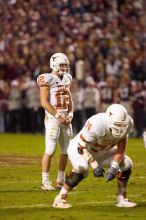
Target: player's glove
x=111, y=173
x=98, y=172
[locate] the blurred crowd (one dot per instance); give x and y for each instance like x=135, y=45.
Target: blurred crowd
x=105, y=42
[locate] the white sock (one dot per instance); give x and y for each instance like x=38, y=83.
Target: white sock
x=45, y=176
x=63, y=191
x=60, y=177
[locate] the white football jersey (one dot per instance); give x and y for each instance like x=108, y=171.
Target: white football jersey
x=97, y=133
x=60, y=97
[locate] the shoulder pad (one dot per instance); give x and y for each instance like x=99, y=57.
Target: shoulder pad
x=99, y=124
x=44, y=79
x=69, y=76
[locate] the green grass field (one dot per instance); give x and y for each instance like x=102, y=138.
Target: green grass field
x=22, y=198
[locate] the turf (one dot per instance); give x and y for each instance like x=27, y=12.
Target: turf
x=22, y=198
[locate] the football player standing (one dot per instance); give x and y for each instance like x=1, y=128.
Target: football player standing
x=56, y=99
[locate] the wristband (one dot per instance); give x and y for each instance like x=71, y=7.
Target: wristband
x=57, y=115
x=94, y=164
x=70, y=114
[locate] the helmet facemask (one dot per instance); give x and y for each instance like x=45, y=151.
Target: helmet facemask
x=118, y=129
x=60, y=63
x=117, y=118
x=63, y=68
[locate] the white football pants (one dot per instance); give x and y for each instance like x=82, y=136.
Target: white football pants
x=55, y=132
x=103, y=157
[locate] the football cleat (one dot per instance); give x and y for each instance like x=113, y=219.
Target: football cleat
x=59, y=185
x=46, y=185
x=61, y=203
x=124, y=202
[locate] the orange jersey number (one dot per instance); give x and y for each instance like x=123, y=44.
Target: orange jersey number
x=63, y=99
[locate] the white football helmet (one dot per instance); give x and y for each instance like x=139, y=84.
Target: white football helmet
x=57, y=62
x=117, y=119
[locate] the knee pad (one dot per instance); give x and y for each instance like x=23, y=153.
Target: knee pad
x=50, y=147
x=81, y=168
x=73, y=179
x=124, y=176
x=126, y=164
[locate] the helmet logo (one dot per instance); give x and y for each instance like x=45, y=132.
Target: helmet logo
x=88, y=126
x=110, y=113
x=54, y=58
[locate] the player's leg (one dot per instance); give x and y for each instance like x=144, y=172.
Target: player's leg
x=61, y=170
x=79, y=172
x=51, y=136
x=64, y=138
x=122, y=180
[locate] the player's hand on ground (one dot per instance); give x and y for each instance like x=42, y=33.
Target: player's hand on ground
x=98, y=172
x=111, y=173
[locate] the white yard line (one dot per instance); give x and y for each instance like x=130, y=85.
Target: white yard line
x=49, y=206
x=39, y=181
x=45, y=205
x=24, y=206
x=19, y=181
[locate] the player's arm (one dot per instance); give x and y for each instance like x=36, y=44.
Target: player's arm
x=70, y=104
x=83, y=149
x=70, y=109
x=121, y=148
x=86, y=139
x=118, y=158
x=44, y=98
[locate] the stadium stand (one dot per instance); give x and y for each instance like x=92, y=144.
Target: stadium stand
x=100, y=37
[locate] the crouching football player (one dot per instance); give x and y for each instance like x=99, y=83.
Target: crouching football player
x=102, y=142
